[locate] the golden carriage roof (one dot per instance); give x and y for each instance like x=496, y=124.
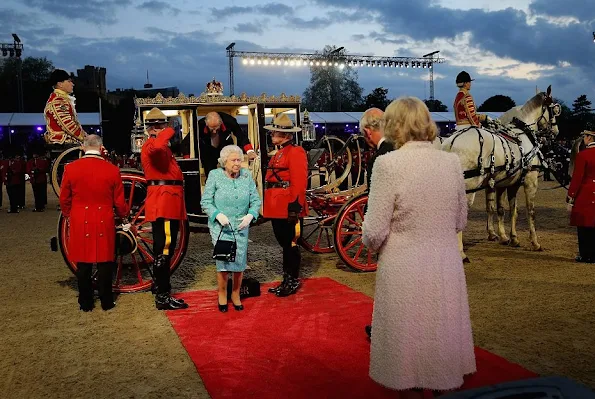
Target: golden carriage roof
x=203, y=98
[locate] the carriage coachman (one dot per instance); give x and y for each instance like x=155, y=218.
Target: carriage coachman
x=464, y=105
x=62, y=125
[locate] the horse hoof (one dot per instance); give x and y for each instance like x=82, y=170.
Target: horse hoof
x=505, y=241
x=492, y=237
x=466, y=260
x=537, y=248
x=515, y=243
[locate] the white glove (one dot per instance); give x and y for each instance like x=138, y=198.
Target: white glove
x=221, y=218
x=246, y=220
x=126, y=227
x=26, y=177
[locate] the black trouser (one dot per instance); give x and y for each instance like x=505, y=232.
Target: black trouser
x=14, y=196
x=40, y=193
x=104, y=281
x=287, y=236
x=165, y=235
x=586, y=242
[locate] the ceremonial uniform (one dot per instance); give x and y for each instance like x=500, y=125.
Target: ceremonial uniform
x=464, y=106
x=14, y=179
x=211, y=148
x=37, y=169
x=91, y=189
x=164, y=207
x=581, y=194
x=62, y=125
x=285, y=192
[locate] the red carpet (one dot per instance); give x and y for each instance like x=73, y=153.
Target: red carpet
x=309, y=345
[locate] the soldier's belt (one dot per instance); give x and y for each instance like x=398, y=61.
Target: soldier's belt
x=165, y=182
x=270, y=184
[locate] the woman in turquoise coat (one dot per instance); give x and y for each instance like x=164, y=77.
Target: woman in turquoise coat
x=231, y=202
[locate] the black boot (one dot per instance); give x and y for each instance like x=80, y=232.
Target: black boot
x=292, y=286
x=276, y=289
x=163, y=300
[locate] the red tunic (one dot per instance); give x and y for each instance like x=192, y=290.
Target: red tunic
x=37, y=169
x=464, y=108
x=91, y=188
x=289, y=164
x=14, y=173
x=581, y=192
x=62, y=125
x=159, y=163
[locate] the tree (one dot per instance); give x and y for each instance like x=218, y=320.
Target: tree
x=376, y=99
x=35, y=75
x=497, y=103
x=582, y=115
x=436, y=106
x=332, y=88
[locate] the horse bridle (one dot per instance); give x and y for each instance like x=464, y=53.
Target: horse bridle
x=554, y=110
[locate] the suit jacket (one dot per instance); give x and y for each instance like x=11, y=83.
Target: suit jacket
x=91, y=188
x=209, y=154
x=159, y=163
x=384, y=148
x=581, y=192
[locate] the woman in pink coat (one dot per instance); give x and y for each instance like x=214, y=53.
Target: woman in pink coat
x=421, y=335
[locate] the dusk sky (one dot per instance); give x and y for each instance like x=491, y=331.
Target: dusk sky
x=509, y=46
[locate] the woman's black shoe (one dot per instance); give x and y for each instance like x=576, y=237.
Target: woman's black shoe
x=238, y=307
x=223, y=308
x=583, y=260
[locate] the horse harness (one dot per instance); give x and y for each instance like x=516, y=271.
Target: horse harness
x=504, y=136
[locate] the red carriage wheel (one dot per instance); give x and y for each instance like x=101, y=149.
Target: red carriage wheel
x=135, y=248
x=317, y=229
x=348, y=236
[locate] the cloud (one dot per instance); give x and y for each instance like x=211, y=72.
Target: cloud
x=250, y=28
x=160, y=7
x=95, y=11
x=580, y=9
x=275, y=9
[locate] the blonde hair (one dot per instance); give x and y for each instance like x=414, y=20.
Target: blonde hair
x=408, y=119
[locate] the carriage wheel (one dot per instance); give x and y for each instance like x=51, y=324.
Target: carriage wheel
x=328, y=175
x=317, y=231
x=57, y=170
x=135, y=257
x=348, y=236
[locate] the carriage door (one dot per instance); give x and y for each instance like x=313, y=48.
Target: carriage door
x=189, y=164
x=254, y=133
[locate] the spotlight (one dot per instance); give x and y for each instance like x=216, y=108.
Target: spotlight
x=252, y=61
x=278, y=62
x=323, y=63
x=266, y=61
x=4, y=52
x=11, y=51
x=39, y=128
x=244, y=61
x=317, y=63
x=259, y=62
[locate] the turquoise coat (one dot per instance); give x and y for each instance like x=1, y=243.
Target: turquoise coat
x=235, y=198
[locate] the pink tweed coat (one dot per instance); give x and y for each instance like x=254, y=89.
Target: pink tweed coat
x=421, y=331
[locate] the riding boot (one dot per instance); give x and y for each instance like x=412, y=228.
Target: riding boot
x=292, y=286
x=163, y=300
x=85, y=286
x=104, y=272
x=278, y=287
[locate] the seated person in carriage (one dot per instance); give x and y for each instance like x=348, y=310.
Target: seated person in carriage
x=464, y=105
x=215, y=131
x=62, y=124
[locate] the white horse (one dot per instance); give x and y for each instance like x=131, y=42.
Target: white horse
x=502, y=159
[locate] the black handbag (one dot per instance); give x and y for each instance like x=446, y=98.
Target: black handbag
x=250, y=288
x=225, y=250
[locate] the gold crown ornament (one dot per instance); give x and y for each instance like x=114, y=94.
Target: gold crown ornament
x=214, y=88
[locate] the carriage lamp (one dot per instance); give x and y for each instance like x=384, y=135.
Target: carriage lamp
x=308, y=130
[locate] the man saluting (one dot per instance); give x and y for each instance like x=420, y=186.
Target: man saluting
x=164, y=206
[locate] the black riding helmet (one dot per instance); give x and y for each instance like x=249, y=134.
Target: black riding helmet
x=464, y=77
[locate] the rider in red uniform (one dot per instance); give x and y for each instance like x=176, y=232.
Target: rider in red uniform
x=464, y=105
x=285, y=199
x=164, y=206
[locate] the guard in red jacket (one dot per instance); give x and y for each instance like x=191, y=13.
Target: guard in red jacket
x=14, y=178
x=581, y=199
x=37, y=169
x=285, y=199
x=62, y=124
x=164, y=206
x=91, y=189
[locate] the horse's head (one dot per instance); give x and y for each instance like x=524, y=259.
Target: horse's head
x=546, y=121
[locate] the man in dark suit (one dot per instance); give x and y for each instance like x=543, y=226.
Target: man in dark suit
x=370, y=125
x=215, y=131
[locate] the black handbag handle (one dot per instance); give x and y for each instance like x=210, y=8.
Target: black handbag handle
x=232, y=233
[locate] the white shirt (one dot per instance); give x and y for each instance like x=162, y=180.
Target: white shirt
x=92, y=152
x=380, y=142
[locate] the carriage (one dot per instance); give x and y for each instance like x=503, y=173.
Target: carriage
x=335, y=215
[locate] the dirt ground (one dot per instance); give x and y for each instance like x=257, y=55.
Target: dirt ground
x=533, y=308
